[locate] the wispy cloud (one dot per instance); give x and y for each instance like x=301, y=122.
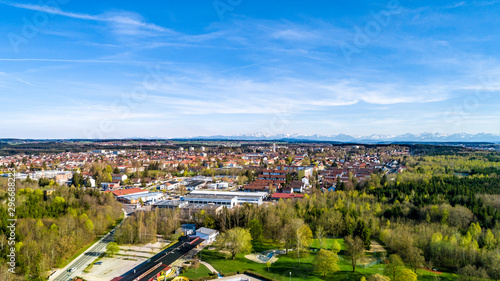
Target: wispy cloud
x=16, y=78
x=122, y=22
x=242, y=71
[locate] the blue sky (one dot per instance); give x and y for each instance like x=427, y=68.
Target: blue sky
x=113, y=69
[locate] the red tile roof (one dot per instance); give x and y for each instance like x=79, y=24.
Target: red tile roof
x=122, y=192
x=286, y=195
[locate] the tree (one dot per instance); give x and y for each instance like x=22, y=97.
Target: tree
x=355, y=249
x=471, y=273
x=106, y=177
x=209, y=221
x=77, y=180
x=395, y=264
x=405, y=274
x=414, y=256
x=325, y=262
x=89, y=225
x=306, y=162
x=493, y=266
x=364, y=232
x=241, y=180
x=112, y=249
x=378, y=277
x=489, y=239
x=268, y=264
x=255, y=229
x=336, y=247
x=108, y=169
x=320, y=234
x=297, y=235
x=303, y=239
x=195, y=264
x=236, y=240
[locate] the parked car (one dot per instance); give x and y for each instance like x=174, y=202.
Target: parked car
x=98, y=263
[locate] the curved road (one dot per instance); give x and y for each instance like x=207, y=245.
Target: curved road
x=82, y=261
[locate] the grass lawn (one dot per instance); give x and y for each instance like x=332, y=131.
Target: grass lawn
x=426, y=275
x=281, y=269
x=285, y=264
x=328, y=243
x=264, y=245
x=192, y=273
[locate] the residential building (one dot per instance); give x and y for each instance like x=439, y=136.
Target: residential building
x=120, y=177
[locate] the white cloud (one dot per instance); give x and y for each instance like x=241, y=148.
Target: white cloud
x=128, y=23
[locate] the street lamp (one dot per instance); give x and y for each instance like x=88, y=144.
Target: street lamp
x=290, y=276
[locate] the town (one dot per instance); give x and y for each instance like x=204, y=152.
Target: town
x=198, y=181
x=249, y=140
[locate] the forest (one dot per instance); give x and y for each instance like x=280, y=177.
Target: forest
x=52, y=226
x=443, y=212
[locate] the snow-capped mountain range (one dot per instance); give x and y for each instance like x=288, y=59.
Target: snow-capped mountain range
x=423, y=137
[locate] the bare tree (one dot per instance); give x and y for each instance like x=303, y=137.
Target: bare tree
x=355, y=249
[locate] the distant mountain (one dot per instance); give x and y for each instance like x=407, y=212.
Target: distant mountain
x=423, y=137
x=340, y=138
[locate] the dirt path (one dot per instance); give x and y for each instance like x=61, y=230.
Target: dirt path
x=376, y=247
x=209, y=266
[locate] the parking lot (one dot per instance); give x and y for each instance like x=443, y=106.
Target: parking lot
x=127, y=258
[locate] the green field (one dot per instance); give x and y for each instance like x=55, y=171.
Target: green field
x=287, y=263
x=328, y=243
x=192, y=273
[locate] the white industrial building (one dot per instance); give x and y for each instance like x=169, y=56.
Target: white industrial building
x=241, y=197
x=224, y=200
x=148, y=198
x=208, y=234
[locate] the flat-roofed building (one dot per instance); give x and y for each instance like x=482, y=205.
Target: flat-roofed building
x=241, y=197
x=188, y=211
x=223, y=200
x=208, y=234
x=148, y=198
x=170, y=204
x=194, y=185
